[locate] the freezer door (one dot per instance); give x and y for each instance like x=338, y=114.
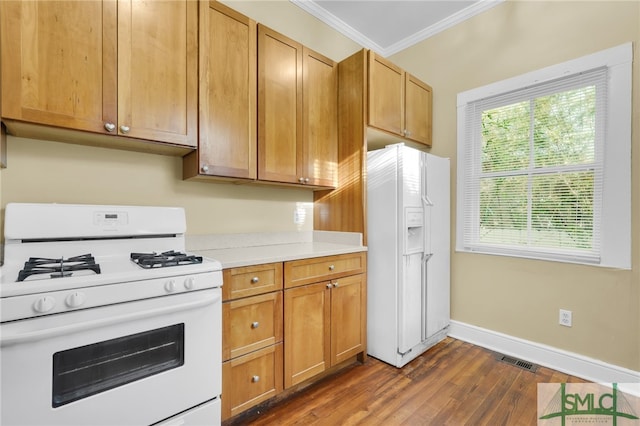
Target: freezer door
x=411, y=175
x=410, y=297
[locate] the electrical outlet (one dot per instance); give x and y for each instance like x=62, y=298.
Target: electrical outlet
x=565, y=318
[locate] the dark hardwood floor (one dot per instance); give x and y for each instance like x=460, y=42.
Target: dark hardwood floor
x=453, y=383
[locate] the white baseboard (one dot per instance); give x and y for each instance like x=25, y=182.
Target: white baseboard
x=571, y=363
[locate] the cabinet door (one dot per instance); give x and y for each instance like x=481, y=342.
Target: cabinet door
x=306, y=332
x=418, y=110
x=320, y=118
x=157, y=70
x=59, y=63
x=348, y=317
x=279, y=107
x=228, y=91
x=386, y=95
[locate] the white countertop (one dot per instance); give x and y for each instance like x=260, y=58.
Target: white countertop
x=253, y=249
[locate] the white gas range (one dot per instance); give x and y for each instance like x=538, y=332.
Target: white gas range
x=105, y=319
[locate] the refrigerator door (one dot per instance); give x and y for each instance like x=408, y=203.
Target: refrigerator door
x=412, y=229
x=410, y=176
x=384, y=254
x=438, y=245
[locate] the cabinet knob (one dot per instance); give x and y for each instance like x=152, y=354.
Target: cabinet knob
x=306, y=180
x=301, y=180
x=331, y=267
x=254, y=280
x=255, y=379
x=124, y=129
x=109, y=127
x=335, y=284
x=204, y=168
x=329, y=285
x=255, y=324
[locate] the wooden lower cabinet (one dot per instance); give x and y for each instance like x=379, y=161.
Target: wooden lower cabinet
x=252, y=332
x=274, y=339
x=251, y=379
x=325, y=324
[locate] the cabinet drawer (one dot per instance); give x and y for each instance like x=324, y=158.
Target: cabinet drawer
x=251, y=323
x=251, y=280
x=251, y=379
x=306, y=271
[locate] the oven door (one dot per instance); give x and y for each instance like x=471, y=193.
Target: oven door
x=134, y=363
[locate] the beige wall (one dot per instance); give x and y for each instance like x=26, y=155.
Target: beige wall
x=517, y=297
x=522, y=297
x=44, y=171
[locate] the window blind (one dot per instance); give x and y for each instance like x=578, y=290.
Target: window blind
x=533, y=170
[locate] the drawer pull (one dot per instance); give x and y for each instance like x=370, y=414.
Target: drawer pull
x=255, y=379
x=331, y=267
x=254, y=280
x=255, y=324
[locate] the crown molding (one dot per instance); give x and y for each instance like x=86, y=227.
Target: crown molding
x=342, y=27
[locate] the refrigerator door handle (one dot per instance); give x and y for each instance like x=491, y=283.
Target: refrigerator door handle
x=426, y=257
x=427, y=201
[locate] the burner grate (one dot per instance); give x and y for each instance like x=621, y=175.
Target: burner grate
x=58, y=268
x=162, y=260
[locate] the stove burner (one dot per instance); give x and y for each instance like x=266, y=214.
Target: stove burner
x=58, y=268
x=168, y=258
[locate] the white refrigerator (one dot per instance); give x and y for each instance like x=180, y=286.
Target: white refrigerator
x=408, y=239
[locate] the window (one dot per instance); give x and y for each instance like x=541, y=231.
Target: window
x=544, y=163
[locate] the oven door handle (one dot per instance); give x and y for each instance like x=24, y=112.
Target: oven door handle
x=9, y=338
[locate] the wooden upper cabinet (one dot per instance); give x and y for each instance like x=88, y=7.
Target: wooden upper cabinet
x=386, y=95
x=228, y=92
x=297, y=112
x=399, y=103
x=123, y=68
x=59, y=63
x=157, y=70
x=279, y=107
x=320, y=118
x=418, y=110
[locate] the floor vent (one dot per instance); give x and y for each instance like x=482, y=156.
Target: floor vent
x=525, y=365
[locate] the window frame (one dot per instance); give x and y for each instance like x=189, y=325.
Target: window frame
x=615, y=219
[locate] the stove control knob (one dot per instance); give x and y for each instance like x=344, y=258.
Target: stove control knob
x=170, y=286
x=75, y=299
x=189, y=283
x=44, y=304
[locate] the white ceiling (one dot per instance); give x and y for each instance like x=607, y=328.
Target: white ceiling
x=389, y=26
